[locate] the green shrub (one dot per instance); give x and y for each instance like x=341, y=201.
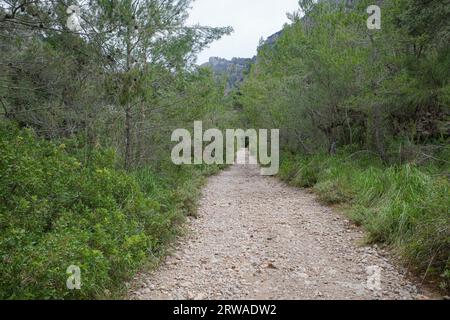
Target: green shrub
x=56, y=211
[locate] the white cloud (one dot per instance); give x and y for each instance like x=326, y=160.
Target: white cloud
x=250, y=19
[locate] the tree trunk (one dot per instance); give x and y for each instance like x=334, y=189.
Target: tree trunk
x=139, y=137
x=128, y=138
x=378, y=135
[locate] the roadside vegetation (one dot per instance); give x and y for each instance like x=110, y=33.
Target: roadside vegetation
x=56, y=211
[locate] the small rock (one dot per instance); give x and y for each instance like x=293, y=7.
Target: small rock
x=146, y=291
x=270, y=265
x=190, y=295
x=176, y=256
x=200, y=296
x=185, y=284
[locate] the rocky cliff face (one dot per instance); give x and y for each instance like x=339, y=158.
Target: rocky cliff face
x=233, y=70
x=273, y=38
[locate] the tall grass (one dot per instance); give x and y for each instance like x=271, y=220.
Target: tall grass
x=405, y=206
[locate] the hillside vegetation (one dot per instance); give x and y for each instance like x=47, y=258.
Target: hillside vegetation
x=85, y=121
x=56, y=211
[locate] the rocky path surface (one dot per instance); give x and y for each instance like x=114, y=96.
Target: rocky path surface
x=256, y=238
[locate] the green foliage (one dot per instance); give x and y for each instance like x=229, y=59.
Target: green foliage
x=55, y=211
x=118, y=87
x=125, y=81
x=406, y=206
x=330, y=82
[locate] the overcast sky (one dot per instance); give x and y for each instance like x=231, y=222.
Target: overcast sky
x=250, y=19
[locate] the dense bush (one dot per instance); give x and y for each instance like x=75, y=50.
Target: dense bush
x=57, y=211
x=406, y=206
x=379, y=99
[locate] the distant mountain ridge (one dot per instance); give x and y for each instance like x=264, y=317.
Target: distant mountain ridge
x=233, y=70
x=273, y=38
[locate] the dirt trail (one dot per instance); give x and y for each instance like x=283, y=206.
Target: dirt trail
x=257, y=238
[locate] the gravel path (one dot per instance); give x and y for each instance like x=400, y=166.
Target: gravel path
x=257, y=238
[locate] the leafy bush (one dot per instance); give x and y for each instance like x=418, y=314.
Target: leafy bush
x=56, y=211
